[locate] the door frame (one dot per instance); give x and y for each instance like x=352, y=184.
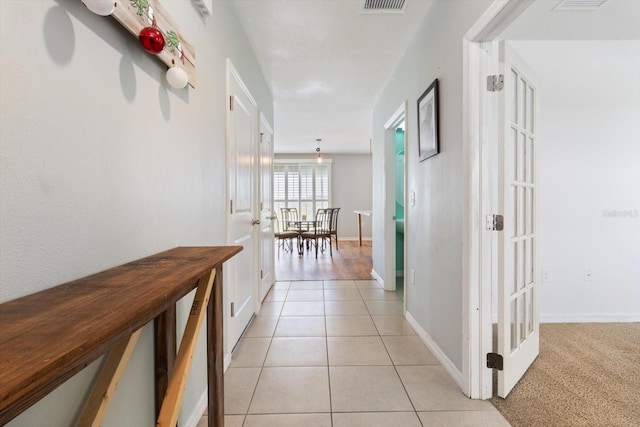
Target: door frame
x=389, y=161
x=477, y=241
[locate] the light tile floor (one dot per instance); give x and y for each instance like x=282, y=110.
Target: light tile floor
x=340, y=354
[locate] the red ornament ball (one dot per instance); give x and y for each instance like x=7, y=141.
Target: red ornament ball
x=151, y=39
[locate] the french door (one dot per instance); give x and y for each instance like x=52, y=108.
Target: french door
x=518, y=324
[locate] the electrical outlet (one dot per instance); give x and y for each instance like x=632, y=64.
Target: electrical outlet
x=588, y=275
x=412, y=277
x=545, y=275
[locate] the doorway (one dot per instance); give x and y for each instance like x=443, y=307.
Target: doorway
x=485, y=235
x=394, y=219
x=567, y=253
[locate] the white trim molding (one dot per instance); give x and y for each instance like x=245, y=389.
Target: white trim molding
x=198, y=411
x=476, y=293
x=379, y=279
x=590, y=318
x=446, y=363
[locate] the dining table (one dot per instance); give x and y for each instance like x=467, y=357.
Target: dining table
x=301, y=226
x=360, y=213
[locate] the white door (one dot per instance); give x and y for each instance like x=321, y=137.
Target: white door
x=518, y=337
x=241, y=275
x=267, y=216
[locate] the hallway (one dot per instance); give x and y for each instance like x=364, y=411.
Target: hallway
x=340, y=353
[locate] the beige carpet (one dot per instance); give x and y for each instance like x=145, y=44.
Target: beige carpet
x=587, y=374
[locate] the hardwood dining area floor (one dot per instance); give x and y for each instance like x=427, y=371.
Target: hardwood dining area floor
x=351, y=261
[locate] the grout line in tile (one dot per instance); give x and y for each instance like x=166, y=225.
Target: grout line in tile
x=261, y=370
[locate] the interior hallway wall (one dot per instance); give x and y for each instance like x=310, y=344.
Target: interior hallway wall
x=101, y=163
x=435, y=223
x=589, y=180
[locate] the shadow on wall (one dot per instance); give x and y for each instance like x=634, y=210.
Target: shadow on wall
x=59, y=36
x=60, y=41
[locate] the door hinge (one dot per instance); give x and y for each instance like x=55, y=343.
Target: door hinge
x=261, y=274
x=495, y=361
x=495, y=83
x=233, y=309
x=261, y=204
x=261, y=136
x=231, y=103
x=231, y=206
x=495, y=222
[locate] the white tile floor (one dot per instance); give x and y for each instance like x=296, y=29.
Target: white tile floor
x=340, y=354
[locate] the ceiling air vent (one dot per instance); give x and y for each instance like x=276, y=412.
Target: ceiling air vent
x=383, y=6
x=578, y=5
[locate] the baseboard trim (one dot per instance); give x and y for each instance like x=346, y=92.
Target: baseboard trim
x=446, y=363
x=376, y=276
x=198, y=411
x=354, y=239
x=227, y=361
x=589, y=318
x=586, y=318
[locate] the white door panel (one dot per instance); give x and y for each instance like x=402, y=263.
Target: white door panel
x=267, y=216
x=242, y=276
x=518, y=336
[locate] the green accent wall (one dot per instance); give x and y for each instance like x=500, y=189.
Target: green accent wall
x=399, y=183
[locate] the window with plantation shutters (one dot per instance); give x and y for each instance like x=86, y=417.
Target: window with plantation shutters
x=304, y=186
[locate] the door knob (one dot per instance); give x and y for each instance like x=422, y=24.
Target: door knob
x=255, y=222
x=273, y=217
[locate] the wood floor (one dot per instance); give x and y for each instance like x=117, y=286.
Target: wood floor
x=350, y=262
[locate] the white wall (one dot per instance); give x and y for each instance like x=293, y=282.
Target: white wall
x=434, y=225
x=351, y=189
x=589, y=177
x=102, y=163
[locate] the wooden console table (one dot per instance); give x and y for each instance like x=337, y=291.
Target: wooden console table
x=49, y=336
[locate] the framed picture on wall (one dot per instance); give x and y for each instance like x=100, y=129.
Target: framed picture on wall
x=428, y=145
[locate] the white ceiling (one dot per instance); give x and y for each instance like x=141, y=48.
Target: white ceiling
x=615, y=20
x=326, y=64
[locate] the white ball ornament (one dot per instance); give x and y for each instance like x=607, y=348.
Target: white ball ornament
x=177, y=77
x=101, y=7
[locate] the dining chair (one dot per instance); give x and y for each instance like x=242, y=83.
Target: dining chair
x=334, y=226
x=321, y=234
x=284, y=237
x=288, y=215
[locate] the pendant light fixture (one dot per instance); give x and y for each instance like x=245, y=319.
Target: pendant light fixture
x=318, y=150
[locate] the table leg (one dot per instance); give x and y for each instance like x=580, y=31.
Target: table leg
x=215, y=354
x=175, y=390
x=165, y=351
x=105, y=387
x=360, y=229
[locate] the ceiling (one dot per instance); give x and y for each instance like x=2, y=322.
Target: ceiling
x=326, y=62
x=614, y=20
